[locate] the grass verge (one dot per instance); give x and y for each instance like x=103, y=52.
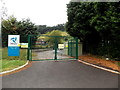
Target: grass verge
x=11, y=64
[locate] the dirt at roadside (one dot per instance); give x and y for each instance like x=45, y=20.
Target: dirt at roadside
x=101, y=62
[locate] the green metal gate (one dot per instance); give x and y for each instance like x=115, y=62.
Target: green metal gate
x=43, y=47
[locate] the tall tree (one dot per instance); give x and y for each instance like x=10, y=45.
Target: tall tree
x=78, y=24
x=93, y=22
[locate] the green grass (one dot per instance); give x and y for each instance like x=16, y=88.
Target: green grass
x=11, y=64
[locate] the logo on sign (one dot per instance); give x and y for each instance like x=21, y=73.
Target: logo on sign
x=14, y=40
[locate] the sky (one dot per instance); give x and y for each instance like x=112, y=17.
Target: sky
x=40, y=12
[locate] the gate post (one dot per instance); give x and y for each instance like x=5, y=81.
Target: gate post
x=28, y=52
x=71, y=44
x=55, y=48
x=76, y=48
x=68, y=48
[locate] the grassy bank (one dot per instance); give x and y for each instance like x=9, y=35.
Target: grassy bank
x=11, y=62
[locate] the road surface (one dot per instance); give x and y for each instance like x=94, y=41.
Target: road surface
x=61, y=74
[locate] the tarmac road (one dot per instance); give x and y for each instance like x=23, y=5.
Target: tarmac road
x=61, y=74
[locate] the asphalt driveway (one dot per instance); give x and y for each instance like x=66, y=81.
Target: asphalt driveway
x=62, y=74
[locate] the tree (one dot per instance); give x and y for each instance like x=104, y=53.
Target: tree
x=25, y=28
x=106, y=19
x=8, y=27
x=54, y=36
x=78, y=24
x=95, y=24
x=106, y=22
x=13, y=27
x=42, y=29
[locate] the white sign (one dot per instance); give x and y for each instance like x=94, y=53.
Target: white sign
x=13, y=40
x=24, y=45
x=61, y=46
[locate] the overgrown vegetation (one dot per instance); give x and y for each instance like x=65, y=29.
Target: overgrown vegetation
x=97, y=26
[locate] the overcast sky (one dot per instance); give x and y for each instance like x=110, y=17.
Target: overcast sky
x=40, y=12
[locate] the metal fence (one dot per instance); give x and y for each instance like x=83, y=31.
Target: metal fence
x=43, y=47
x=52, y=48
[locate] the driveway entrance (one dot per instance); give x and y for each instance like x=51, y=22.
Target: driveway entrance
x=61, y=74
x=52, y=48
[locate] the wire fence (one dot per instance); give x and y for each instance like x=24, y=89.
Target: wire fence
x=52, y=48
